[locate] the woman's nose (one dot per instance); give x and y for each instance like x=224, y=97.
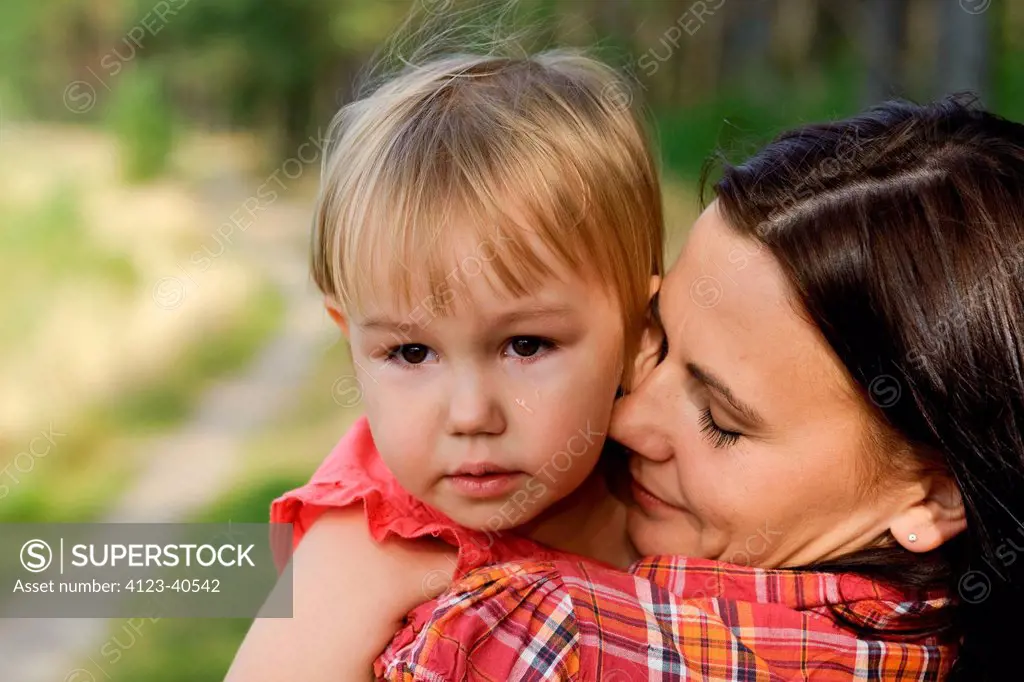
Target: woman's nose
x=636, y=421
x=473, y=408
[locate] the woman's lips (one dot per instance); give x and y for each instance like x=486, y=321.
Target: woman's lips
x=648, y=500
x=485, y=486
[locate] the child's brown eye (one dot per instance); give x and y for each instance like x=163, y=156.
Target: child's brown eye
x=413, y=353
x=525, y=346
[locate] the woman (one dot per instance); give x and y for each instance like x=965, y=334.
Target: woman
x=833, y=433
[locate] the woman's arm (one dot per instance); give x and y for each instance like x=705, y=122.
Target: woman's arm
x=350, y=595
x=505, y=622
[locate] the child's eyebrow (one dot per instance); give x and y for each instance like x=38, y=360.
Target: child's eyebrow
x=529, y=313
x=380, y=323
x=534, y=312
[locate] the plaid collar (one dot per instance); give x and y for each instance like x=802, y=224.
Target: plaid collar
x=845, y=597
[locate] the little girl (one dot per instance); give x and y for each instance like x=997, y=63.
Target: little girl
x=487, y=237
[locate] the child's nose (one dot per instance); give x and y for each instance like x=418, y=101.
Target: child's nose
x=474, y=408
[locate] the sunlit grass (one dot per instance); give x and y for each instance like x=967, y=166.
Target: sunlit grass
x=43, y=247
x=220, y=353
x=197, y=650
x=98, y=455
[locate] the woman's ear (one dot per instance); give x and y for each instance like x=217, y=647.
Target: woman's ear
x=337, y=314
x=936, y=517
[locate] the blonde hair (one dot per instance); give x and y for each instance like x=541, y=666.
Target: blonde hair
x=515, y=148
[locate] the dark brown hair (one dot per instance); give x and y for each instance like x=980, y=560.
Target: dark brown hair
x=901, y=231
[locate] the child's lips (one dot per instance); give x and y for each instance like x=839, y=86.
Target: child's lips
x=481, y=469
x=486, y=485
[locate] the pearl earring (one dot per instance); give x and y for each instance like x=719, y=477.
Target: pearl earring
x=912, y=537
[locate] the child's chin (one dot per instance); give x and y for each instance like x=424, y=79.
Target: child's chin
x=486, y=517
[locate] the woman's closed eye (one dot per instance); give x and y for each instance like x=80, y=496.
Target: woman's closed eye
x=719, y=437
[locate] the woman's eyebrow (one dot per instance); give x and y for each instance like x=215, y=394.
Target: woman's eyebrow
x=705, y=377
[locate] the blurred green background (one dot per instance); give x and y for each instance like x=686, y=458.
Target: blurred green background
x=163, y=355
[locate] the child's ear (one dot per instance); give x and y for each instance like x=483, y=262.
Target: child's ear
x=337, y=314
x=653, y=289
x=649, y=352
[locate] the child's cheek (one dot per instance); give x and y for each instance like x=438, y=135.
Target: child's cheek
x=404, y=438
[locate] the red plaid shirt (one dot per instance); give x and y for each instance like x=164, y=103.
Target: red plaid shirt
x=671, y=618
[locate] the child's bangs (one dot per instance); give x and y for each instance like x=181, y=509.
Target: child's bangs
x=437, y=232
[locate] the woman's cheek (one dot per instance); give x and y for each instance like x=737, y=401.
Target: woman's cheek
x=694, y=462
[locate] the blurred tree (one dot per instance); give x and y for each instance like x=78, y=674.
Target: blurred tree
x=250, y=63
x=1008, y=57
x=142, y=119
x=44, y=45
x=696, y=70
x=283, y=67
x=793, y=29
x=963, y=51
x=274, y=65
x=883, y=26
x=615, y=23
x=746, y=53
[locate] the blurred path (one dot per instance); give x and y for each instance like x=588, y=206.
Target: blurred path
x=192, y=467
